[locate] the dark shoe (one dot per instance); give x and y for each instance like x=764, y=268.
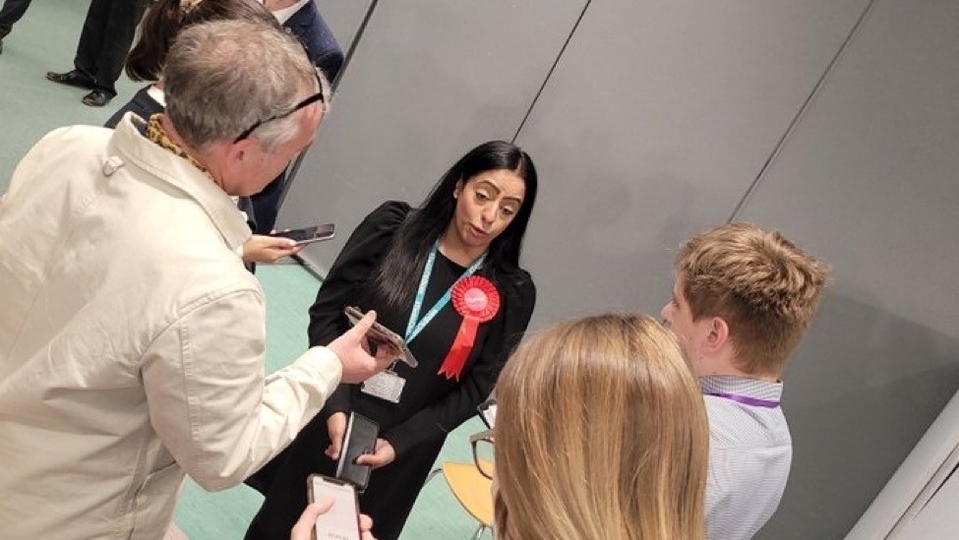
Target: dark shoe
x=1, y=46
x=71, y=78
x=96, y=98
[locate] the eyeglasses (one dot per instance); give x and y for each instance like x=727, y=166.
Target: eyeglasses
x=305, y=103
x=483, y=452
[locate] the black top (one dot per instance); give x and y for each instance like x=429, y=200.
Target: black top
x=431, y=404
x=142, y=104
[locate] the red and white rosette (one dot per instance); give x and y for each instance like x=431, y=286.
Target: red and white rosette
x=478, y=301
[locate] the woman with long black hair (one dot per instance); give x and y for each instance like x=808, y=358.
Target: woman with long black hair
x=446, y=276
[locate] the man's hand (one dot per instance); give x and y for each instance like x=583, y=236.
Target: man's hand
x=383, y=454
x=358, y=365
x=303, y=530
x=336, y=427
x=269, y=249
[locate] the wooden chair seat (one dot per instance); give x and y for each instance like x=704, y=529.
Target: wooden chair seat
x=472, y=490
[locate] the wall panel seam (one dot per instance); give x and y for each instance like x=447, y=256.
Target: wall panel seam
x=793, y=124
x=550, y=72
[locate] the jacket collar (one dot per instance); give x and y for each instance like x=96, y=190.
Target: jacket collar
x=132, y=147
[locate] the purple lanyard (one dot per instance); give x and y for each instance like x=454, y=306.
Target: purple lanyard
x=745, y=400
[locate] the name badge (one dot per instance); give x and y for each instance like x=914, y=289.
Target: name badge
x=385, y=385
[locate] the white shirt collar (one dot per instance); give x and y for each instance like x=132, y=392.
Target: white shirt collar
x=283, y=15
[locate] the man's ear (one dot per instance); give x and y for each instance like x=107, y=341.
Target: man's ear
x=718, y=335
x=226, y=160
x=238, y=151
x=235, y=157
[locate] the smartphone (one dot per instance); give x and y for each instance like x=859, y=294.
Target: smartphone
x=359, y=439
x=342, y=521
x=487, y=412
x=308, y=235
x=381, y=335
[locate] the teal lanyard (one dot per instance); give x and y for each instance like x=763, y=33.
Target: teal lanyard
x=416, y=325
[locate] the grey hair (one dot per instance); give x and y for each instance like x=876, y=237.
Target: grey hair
x=274, y=134
x=222, y=77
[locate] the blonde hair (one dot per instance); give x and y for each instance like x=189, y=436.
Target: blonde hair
x=764, y=287
x=601, y=433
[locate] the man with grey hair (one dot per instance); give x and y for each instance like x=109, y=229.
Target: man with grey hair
x=131, y=336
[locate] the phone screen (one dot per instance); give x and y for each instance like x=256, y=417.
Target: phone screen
x=341, y=522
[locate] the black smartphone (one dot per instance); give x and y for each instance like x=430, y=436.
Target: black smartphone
x=308, y=235
x=342, y=522
x=381, y=335
x=359, y=439
x=487, y=412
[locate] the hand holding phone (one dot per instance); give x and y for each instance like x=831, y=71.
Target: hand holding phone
x=268, y=249
x=307, y=235
x=342, y=520
x=379, y=335
x=360, y=438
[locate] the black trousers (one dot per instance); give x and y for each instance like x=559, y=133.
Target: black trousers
x=107, y=34
x=11, y=12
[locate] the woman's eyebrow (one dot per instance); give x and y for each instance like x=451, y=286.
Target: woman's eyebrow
x=496, y=188
x=487, y=183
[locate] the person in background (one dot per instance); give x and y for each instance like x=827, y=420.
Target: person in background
x=108, y=31
x=131, y=336
x=600, y=433
x=160, y=26
x=305, y=21
x=416, y=268
x=166, y=18
x=742, y=299
x=10, y=13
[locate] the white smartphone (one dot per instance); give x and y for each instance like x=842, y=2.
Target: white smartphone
x=342, y=521
x=487, y=412
x=308, y=235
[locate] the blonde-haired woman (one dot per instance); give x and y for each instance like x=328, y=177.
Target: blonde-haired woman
x=601, y=433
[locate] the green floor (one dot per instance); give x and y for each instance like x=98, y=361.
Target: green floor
x=30, y=106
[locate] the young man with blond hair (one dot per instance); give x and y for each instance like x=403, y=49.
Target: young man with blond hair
x=742, y=300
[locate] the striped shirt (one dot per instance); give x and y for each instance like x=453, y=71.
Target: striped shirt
x=749, y=455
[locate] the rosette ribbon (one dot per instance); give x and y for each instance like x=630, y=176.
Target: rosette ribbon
x=478, y=301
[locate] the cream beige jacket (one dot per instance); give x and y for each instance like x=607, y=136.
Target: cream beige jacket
x=131, y=341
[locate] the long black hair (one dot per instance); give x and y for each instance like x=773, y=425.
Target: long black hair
x=406, y=257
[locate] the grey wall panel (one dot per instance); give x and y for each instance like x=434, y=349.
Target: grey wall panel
x=917, y=481
x=658, y=117
x=429, y=80
x=867, y=181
